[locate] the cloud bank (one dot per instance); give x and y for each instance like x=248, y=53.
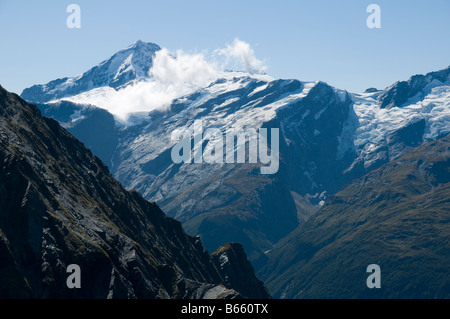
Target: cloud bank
x=173, y=76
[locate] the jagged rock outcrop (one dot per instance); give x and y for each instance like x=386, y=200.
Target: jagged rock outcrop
x=232, y=261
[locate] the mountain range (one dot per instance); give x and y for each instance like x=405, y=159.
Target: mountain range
x=329, y=139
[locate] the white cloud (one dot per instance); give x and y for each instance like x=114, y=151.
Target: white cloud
x=182, y=74
x=171, y=77
x=240, y=52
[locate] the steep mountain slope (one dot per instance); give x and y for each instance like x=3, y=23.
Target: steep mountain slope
x=233, y=263
x=59, y=205
x=127, y=65
x=396, y=216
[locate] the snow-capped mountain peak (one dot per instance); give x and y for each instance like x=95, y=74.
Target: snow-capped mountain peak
x=125, y=66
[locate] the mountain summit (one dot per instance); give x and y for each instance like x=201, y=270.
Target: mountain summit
x=127, y=65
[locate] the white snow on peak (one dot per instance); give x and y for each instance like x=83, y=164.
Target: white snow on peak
x=120, y=64
x=145, y=95
x=223, y=259
x=373, y=123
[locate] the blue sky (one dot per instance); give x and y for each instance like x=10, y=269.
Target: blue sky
x=324, y=40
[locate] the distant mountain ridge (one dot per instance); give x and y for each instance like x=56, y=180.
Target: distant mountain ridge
x=399, y=93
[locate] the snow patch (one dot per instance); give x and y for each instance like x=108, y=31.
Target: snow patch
x=223, y=260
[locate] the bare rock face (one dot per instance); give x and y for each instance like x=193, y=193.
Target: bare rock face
x=231, y=260
x=59, y=206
